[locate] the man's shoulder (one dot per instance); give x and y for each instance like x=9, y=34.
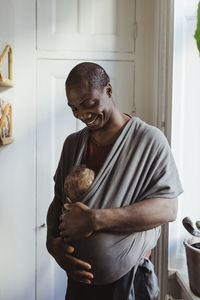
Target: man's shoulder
x=148, y=133
x=74, y=137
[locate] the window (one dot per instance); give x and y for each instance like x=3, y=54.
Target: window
x=185, y=140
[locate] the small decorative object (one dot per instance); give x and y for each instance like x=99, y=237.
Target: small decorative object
x=5, y=65
x=192, y=248
x=5, y=123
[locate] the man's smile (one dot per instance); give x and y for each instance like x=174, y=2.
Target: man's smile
x=91, y=122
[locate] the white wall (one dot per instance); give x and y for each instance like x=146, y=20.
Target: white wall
x=17, y=160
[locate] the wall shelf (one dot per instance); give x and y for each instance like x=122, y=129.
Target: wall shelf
x=5, y=123
x=6, y=141
x=4, y=82
x=6, y=79
x=6, y=76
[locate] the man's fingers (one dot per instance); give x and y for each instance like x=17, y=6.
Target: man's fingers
x=68, y=206
x=87, y=281
x=62, y=217
x=68, y=239
x=63, y=233
x=61, y=227
x=58, y=240
x=65, y=240
x=76, y=278
x=81, y=276
x=84, y=274
x=77, y=262
x=69, y=249
x=68, y=200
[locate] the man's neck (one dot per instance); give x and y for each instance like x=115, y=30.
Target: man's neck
x=111, y=131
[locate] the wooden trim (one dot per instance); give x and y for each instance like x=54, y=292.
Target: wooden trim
x=165, y=56
x=160, y=261
x=179, y=286
x=164, y=96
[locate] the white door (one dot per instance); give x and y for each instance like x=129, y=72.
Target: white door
x=86, y=25
x=54, y=122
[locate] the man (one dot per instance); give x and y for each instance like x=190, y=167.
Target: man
x=135, y=189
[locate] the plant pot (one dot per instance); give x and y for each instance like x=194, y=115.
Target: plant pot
x=193, y=264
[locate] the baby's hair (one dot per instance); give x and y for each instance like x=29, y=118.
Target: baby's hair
x=78, y=181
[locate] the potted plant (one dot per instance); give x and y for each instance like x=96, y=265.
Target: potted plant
x=192, y=248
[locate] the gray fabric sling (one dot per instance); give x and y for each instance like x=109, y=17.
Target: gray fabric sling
x=139, y=166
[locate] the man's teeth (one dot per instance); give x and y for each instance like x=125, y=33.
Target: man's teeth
x=91, y=122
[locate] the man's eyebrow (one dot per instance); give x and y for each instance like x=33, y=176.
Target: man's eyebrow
x=85, y=100
x=82, y=103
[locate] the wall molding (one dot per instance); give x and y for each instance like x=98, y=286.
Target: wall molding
x=164, y=67
x=72, y=55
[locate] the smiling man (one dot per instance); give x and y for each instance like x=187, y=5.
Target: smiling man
x=102, y=240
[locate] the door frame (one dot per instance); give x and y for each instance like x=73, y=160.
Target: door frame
x=164, y=49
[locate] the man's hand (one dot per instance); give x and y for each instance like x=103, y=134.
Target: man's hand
x=75, y=268
x=76, y=223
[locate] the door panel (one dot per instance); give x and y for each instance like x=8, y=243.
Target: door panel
x=54, y=122
x=86, y=25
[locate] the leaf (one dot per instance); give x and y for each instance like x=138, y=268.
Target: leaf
x=198, y=224
x=197, y=33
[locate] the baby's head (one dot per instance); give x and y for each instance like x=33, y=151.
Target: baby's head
x=78, y=181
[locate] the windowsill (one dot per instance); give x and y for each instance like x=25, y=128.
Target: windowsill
x=182, y=280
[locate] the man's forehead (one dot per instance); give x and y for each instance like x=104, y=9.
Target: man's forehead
x=78, y=93
x=77, y=96
x=81, y=91
x=78, y=84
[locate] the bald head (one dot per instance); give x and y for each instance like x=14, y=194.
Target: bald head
x=87, y=73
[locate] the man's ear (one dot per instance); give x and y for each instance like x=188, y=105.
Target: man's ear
x=109, y=90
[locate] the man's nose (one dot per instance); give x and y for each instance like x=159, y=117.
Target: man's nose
x=84, y=115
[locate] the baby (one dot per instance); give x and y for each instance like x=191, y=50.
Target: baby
x=78, y=182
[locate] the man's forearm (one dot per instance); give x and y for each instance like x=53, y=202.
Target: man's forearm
x=137, y=217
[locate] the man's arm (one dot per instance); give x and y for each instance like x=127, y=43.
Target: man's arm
x=62, y=252
x=81, y=221
x=137, y=217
